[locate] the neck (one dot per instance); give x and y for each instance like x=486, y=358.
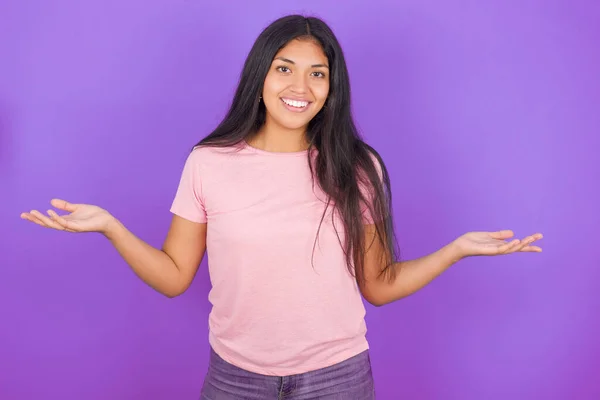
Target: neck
x=279, y=140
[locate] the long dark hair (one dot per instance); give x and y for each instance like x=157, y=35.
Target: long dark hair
x=344, y=163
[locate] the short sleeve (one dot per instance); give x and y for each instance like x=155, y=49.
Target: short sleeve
x=369, y=194
x=189, y=200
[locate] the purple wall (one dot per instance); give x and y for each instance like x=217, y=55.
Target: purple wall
x=487, y=114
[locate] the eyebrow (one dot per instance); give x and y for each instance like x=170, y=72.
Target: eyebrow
x=287, y=60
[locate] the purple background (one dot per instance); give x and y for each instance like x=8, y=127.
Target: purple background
x=487, y=114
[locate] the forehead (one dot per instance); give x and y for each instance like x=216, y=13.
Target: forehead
x=303, y=51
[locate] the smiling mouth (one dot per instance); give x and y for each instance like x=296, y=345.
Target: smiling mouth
x=295, y=105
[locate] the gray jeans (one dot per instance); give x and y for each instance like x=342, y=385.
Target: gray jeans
x=349, y=380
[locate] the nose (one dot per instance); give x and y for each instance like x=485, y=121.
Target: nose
x=299, y=84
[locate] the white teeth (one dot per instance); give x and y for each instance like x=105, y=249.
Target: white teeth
x=295, y=103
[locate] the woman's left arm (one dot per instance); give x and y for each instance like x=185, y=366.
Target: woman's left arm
x=412, y=275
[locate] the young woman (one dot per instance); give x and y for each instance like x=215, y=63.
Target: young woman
x=294, y=210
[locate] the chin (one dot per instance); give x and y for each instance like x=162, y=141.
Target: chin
x=293, y=125
x=293, y=122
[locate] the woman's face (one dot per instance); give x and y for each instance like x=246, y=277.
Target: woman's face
x=297, y=84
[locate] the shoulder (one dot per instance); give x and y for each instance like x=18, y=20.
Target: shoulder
x=201, y=156
x=371, y=160
x=375, y=156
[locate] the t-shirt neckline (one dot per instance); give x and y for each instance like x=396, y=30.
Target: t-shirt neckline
x=274, y=153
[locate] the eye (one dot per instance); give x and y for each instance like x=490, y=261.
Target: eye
x=319, y=74
x=283, y=69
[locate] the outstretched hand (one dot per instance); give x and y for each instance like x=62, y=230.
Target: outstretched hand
x=495, y=243
x=81, y=217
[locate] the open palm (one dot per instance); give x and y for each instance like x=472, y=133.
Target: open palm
x=495, y=243
x=81, y=217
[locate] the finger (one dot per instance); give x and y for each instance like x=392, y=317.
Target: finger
x=533, y=237
x=63, y=205
x=68, y=226
x=528, y=240
x=509, y=246
x=505, y=234
x=31, y=218
x=47, y=221
x=532, y=249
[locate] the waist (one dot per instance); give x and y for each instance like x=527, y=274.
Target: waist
x=288, y=357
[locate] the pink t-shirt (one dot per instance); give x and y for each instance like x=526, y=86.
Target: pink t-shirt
x=279, y=308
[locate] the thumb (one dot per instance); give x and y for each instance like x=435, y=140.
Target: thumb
x=63, y=205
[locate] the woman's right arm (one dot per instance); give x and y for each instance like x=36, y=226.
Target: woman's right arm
x=169, y=270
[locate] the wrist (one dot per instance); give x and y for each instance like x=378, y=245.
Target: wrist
x=455, y=252
x=112, y=228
